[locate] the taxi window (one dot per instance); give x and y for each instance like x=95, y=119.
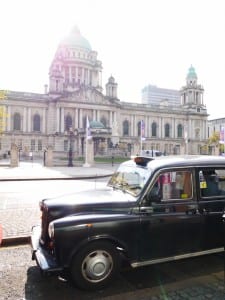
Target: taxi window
x=175, y=185
x=212, y=182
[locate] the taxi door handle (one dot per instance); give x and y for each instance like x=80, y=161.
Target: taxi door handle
x=146, y=210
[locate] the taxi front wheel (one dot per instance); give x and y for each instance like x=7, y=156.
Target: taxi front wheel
x=95, y=265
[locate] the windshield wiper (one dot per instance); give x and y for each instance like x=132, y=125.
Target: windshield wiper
x=120, y=186
x=135, y=186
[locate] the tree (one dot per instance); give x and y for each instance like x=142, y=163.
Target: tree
x=214, y=140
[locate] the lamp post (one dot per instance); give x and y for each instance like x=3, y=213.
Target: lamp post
x=72, y=134
x=70, y=157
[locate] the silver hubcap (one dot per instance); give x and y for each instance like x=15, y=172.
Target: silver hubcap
x=97, y=266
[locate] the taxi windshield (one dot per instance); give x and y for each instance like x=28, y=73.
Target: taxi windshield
x=130, y=179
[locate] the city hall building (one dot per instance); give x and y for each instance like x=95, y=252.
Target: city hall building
x=58, y=118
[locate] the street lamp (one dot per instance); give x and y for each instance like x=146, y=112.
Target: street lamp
x=71, y=139
x=70, y=157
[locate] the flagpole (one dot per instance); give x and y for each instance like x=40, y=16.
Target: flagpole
x=86, y=147
x=142, y=134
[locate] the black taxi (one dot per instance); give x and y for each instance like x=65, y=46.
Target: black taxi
x=152, y=210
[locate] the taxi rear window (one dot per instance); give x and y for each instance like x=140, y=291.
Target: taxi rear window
x=174, y=185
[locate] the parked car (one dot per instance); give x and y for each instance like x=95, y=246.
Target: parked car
x=152, y=210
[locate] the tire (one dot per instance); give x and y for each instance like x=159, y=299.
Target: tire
x=95, y=265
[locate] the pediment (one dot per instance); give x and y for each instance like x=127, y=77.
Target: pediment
x=87, y=95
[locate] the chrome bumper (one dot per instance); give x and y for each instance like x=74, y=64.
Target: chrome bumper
x=46, y=262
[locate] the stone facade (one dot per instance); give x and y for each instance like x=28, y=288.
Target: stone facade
x=35, y=122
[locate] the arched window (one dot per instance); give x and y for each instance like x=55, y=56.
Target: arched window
x=68, y=122
x=167, y=130
x=16, y=121
x=125, y=128
x=179, y=131
x=37, y=123
x=154, y=132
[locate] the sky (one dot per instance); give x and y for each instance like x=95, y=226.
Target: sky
x=139, y=42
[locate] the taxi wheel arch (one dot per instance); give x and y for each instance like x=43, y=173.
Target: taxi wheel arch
x=95, y=265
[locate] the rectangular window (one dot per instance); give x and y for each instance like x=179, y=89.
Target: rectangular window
x=175, y=185
x=212, y=182
x=32, y=145
x=39, y=145
x=66, y=145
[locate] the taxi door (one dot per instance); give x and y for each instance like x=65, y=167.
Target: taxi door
x=211, y=206
x=170, y=224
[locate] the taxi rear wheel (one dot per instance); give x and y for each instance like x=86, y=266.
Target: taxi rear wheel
x=95, y=266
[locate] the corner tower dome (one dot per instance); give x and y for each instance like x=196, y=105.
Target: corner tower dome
x=75, y=39
x=191, y=78
x=192, y=93
x=191, y=73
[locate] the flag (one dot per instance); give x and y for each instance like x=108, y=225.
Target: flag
x=142, y=130
x=88, y=129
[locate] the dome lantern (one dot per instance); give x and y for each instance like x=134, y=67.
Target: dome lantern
x=75, y=39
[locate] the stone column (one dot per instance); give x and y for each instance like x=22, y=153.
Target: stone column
x=8, y=118
x=29, y=119
x=89, y=159
x=95, y=115
x=43, y=121
x=98, y=113
x=135, y=126
x=48, y=157
x=110, y=119
x=132, y=125
x=81, y=118
x=57, y=119
x=14, y=156
x=24, y=119
x=76, y=125
x=88, y=76
x=83, y=75
x=162, y=131
x=146, y=127
x=62, y=120
x=173, y=126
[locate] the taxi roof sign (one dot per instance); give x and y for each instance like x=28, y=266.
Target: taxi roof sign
x=142, y=160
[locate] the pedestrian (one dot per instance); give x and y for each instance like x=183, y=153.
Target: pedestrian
x=31, y=155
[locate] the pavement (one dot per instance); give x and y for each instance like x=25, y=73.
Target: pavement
x=16, y=220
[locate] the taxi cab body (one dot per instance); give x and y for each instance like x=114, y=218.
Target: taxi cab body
x=152, y=210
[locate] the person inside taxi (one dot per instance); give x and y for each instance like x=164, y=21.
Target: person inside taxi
x=210, y=186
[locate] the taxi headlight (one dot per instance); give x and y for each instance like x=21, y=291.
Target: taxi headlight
x=51, y=230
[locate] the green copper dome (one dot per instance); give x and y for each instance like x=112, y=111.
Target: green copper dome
x=76, y=39
x=191, y=72
x=96, y=125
